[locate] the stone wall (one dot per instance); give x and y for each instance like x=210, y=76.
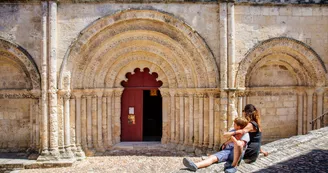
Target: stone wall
x=278, y=114
x=21, y=23
x=308, y=24
x=16, y=125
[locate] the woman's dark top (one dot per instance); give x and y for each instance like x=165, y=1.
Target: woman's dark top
x=254, y=145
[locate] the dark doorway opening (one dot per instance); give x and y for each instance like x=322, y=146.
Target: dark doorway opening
x=152, y=115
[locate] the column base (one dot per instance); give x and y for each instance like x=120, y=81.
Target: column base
x=79, y=154
x=67, y=154
x=49, y=155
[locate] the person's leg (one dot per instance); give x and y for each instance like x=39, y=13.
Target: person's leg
x=194, y=166
x=207, y=162
x=264, y=152
x=237, y=152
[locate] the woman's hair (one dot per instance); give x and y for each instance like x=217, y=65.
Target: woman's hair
x=252, y=114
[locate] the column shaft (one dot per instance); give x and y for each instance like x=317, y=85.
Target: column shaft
x=319, y=106
x=104, y=122
x=109, y=119
x=211, y=120
x=53, y=120
x=201, y=120
x=172, y=117
x=223, y=45
x=78, y=122
x=309, y=109
x=44, y=81
x=181, y=119
x=300, y=114
x=89, y=122
x=191, y=119
x=84, y=123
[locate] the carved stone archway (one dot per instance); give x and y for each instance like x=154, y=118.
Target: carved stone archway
x=117, y=44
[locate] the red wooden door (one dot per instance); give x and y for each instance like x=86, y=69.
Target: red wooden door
x=132, y=103
x=133, y=99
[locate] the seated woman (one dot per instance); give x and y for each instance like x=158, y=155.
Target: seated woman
x=255, y=133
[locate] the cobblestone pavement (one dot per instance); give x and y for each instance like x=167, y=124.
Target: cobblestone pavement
x=306, y=153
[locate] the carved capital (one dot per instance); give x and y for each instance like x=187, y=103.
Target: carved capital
x=320, y=91
x=77, y=94
x=118, y=92
x=67, y=95
x=165, y=92
x=309, y=91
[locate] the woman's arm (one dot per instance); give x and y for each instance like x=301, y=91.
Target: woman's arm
x=246, y=129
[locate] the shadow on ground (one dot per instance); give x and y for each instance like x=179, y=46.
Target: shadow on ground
x=5, y=155
x=314, y=161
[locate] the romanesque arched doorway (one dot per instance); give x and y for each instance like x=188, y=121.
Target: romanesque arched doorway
x=141, y=115
x=115, y=45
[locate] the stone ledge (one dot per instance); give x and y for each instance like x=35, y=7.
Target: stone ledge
x=13, y=164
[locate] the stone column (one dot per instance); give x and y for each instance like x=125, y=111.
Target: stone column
x=232, y=112
x=206, y=122
x=196, y=120
x=191, y=117
x=223, y=112
x=44, y=82
x=117, y=114
x=109, y=118
x=172, y=94
x=99, y=124
x=78, y=130
x=201, y=119
x=231, y=44
x=300, y=113
x=309, y=93
x=72, y=123
x=104, y=121
x=186, y=119
x=181, y=118
x=211, y=120
x=223, y=66
x=67, y=128
x=223, y=45
x=53, y=120
x=89, y=122
x=165, y=114
x=320, y=92
x=94, y=128
x=84, y=123
x=217, y=120
x=240, y=106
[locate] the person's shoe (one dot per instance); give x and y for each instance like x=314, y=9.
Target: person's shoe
x=227, y=164
x=189, y=164
x=230, y=169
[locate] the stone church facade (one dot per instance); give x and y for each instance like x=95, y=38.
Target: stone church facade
x=63, y=64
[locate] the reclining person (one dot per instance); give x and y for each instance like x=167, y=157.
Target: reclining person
x=227, y=152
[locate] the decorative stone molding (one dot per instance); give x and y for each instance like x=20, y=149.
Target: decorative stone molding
x=96, y=67
x=20, y=56
x=19, y=94
x=309, y=66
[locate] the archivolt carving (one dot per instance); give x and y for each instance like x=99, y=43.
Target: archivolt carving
x=99, y=56
x=23, y=60
x=300, y=60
